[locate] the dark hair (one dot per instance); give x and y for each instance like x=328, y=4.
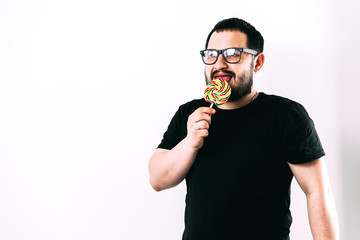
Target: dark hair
x=254, y=39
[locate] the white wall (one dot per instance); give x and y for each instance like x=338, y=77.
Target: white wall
x=87, y=89
x=348, y=72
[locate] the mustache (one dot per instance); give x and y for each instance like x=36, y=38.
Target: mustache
x=222, y=71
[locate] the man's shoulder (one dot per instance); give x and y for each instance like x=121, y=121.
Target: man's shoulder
x=284, y=108
x=196, y=102
x=192, y=105
x=278, y=101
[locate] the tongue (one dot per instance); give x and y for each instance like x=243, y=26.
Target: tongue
x=225, y=78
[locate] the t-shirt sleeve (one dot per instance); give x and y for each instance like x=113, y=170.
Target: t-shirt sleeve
x=177, y=129
x=301, y=139
x=172, y=136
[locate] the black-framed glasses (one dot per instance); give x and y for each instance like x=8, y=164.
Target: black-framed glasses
x=231, y=55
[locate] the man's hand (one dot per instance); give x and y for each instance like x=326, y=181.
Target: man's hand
x=198, y=126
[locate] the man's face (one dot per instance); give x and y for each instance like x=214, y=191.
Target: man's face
x=238, y=75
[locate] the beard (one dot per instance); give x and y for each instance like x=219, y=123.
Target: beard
x=241, y=84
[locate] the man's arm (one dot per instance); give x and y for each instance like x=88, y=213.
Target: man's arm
x=313, y=180
x=168, y=168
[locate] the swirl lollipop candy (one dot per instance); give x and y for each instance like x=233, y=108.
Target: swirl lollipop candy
x=217, y=91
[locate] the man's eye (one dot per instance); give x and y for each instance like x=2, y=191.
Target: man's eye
x=210, y=54
x=232, y=53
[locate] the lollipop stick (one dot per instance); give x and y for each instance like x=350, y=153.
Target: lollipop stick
x=211, y=105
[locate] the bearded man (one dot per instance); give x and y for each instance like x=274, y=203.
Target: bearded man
x=239, y=158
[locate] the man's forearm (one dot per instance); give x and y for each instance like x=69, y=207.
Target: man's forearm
x=322, y=216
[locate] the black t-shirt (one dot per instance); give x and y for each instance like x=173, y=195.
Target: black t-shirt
x=239, y=184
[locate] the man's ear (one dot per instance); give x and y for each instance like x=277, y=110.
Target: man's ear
x=259, y=62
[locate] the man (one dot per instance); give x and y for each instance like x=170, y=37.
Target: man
x=239, y=158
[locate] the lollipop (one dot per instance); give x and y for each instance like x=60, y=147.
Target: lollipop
x=217, y=91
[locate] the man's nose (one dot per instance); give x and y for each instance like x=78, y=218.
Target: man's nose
x=220, y=63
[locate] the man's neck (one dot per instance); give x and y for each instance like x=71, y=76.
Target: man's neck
x=241, y=102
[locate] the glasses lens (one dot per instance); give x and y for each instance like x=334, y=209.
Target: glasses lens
x=210, y=56
x=232, y=55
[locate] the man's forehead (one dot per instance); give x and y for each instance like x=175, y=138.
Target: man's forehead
x=226, y=39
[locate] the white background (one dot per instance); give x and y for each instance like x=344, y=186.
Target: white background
x=87, y=89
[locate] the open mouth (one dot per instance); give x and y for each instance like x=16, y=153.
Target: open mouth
x=223, y=75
